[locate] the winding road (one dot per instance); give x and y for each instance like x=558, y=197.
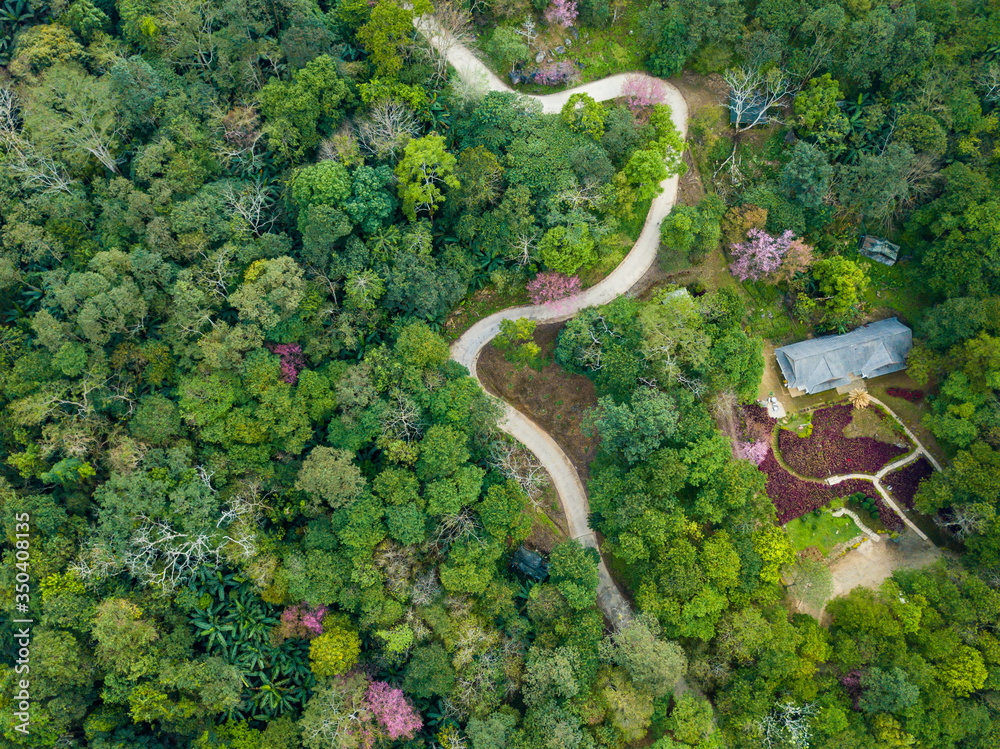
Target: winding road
x=466, y=350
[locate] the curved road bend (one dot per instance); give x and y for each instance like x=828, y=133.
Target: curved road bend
x=466, y=350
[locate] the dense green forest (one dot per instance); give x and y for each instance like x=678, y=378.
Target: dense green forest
x=248, y=499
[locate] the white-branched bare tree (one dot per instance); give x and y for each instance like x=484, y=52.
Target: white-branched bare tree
x=251, y=202
x=450, y=26
x=515, y=462
x=37, y=172
x=786, y=725
x=754, y=92
x=387, y=128
x=401, y=419
x=989, y=82
x=159, y=554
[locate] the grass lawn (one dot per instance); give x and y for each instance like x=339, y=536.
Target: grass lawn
x=823, y=532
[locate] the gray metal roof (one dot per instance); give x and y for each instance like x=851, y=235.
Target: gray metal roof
x=832, y=361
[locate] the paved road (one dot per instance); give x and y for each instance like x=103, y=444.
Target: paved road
x=466, y=350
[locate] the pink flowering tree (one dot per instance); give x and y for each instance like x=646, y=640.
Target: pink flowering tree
x=392, y=712
x=760, y=256
x=642, y=92
x=549, y=287
x=755, y=452
x=301, y=621
x=292, y=360
x=561, y=12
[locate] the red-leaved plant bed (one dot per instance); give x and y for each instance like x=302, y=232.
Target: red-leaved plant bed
x=792, y=497
x=827, y=452
x=913, y=396
x=903, y=484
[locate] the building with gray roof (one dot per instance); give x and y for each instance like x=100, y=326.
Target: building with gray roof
x=836, y=360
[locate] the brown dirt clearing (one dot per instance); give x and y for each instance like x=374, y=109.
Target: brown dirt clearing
x=872, y=563
x=554, y=399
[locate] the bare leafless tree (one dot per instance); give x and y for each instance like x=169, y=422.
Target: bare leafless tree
x=515, y=462
x=342, y=146
x=242, y=140
x=523, y=248
x=402, y=419
x=989, y=82
x=253, y=203
x=426, y=587
x=753, y=93
x=786, y=725
x=450, y=26
x=529, y=30
x=386, y=130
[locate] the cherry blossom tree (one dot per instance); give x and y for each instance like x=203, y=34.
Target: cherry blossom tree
x=301, y=621
x=554, y=74
x=292, y=360
x=561, y=12
x=761, y=256
x=392, y=712
x=642, y=91
x=549, y=287
x=755, y=452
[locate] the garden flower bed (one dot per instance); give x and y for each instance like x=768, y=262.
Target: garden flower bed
x=903, y=484
x=827, y=452
x=792, y=497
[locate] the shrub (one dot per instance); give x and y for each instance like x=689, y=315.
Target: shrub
x=903, y=484
x=826, y=451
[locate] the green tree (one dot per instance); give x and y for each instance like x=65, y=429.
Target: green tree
x=429, y=672
x=573, y=570
x=567, y=249
x=157, y=419
x=842, y=283
x=507, y=46
x=425, y=168
x=297, y=111
x=887, y=691
x=807, y=176
x=653, y=663
x=335, y=651
x=331, y=476
x=635, y=429
x=584, y=115
x=818, y=115
x=388, y=35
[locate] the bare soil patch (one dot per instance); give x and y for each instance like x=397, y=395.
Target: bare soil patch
x=871, y=563
x=554, y=399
